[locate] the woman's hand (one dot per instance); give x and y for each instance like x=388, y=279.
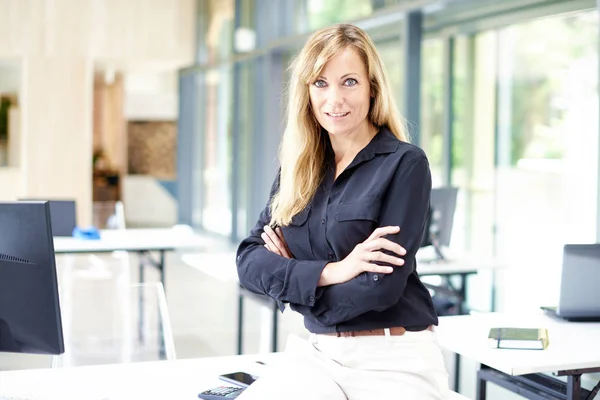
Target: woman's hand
x=363, y=258
x=275, y=242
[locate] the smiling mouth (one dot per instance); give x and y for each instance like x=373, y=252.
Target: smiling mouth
x=337, y=115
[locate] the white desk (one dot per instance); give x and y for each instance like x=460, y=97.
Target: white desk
x=140, y=241
x=574, y=349
x=159, y=380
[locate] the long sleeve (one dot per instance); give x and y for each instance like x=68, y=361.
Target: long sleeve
x=406, y=204
x=264, y=272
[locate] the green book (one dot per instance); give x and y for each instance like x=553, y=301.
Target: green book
x=519, y=338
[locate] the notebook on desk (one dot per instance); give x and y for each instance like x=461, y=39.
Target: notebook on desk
x=579, y=298
x=518, y=338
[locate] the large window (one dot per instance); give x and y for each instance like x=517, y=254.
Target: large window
x=217, y=148
x=316, y=14
x=432, y=106
x=246, y=136
x=547, y=138
x=526, y=147
x=390, y=52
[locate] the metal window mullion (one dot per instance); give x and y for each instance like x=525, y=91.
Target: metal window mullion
x=235, y=132
x=186, y=128
x=598, y=157
x=448, y=110
x=412, y=72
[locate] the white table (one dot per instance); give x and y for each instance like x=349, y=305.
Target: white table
x=574, y=350
x=140, y=241
x=158, y=380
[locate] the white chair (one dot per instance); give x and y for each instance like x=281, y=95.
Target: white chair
x=132, y=326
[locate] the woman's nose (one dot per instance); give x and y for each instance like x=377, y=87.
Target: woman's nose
x=334, y=96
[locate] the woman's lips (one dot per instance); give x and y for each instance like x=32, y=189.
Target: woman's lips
x=337, y=115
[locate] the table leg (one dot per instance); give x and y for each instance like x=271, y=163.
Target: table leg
x=141, y=298
x=274, y=332
x=240, y=321
x=161, y=269
x=462, y=293
x=574, y=387
x=480, y=391
x=457, y=372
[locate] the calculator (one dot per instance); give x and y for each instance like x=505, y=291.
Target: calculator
x=221, y=392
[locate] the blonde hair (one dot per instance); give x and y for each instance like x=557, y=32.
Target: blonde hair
x=302, y=150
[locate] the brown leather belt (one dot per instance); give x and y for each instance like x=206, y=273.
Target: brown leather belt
x=395, y=331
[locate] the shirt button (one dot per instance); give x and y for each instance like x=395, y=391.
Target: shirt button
x=330, y=255
x=311, y=298
x=375, y=277
x=322, y=221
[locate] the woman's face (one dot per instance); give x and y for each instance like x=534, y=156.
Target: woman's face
x=340, y=97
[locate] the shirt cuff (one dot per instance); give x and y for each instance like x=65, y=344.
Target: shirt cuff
x=302, y=281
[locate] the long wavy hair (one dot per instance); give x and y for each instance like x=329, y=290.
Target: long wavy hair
x=303, y=146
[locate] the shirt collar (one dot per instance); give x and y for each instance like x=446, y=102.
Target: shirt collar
x=384, y=142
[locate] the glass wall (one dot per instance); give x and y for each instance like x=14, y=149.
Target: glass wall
x=216, y=190
x=525, y=147
x=547, y=144
x=523, y=143
x=432, y=106
x=321, y=13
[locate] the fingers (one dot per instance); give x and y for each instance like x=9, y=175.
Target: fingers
x=269, y=243
x=274, y=242
x=379, y=269
x=382, y=231
x=378, y=256
x=385, y=244
x=280, y=235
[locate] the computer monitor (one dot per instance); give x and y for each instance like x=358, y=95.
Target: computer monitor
x=30, y=319
x=63, y=215
x=441, y=218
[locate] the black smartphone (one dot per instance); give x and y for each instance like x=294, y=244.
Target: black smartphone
x=239, y=378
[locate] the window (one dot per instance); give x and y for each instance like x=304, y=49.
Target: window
x=432, y=106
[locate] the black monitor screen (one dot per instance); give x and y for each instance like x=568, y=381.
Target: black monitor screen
x=30, y=319
x=62, y=214
x=441, y=217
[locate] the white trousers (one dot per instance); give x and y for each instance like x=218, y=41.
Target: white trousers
x=407, y=367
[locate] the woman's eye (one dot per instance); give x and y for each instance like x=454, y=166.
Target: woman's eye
x=350, y=82
x=320, y=83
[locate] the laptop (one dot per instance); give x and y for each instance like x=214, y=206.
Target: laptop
x=579, y=289
x=62, y=216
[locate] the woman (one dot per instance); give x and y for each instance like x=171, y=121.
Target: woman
x=338, y=238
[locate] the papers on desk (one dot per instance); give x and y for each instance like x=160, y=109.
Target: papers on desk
x=519, y=338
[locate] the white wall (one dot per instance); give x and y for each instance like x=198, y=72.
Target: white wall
x=151, y=96
x=147, y=203
x=59, y=44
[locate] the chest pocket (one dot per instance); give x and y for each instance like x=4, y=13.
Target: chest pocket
x=364, y=209
x=297, y=237
x=357, y=220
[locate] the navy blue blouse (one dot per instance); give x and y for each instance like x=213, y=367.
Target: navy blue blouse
x=387, y=184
